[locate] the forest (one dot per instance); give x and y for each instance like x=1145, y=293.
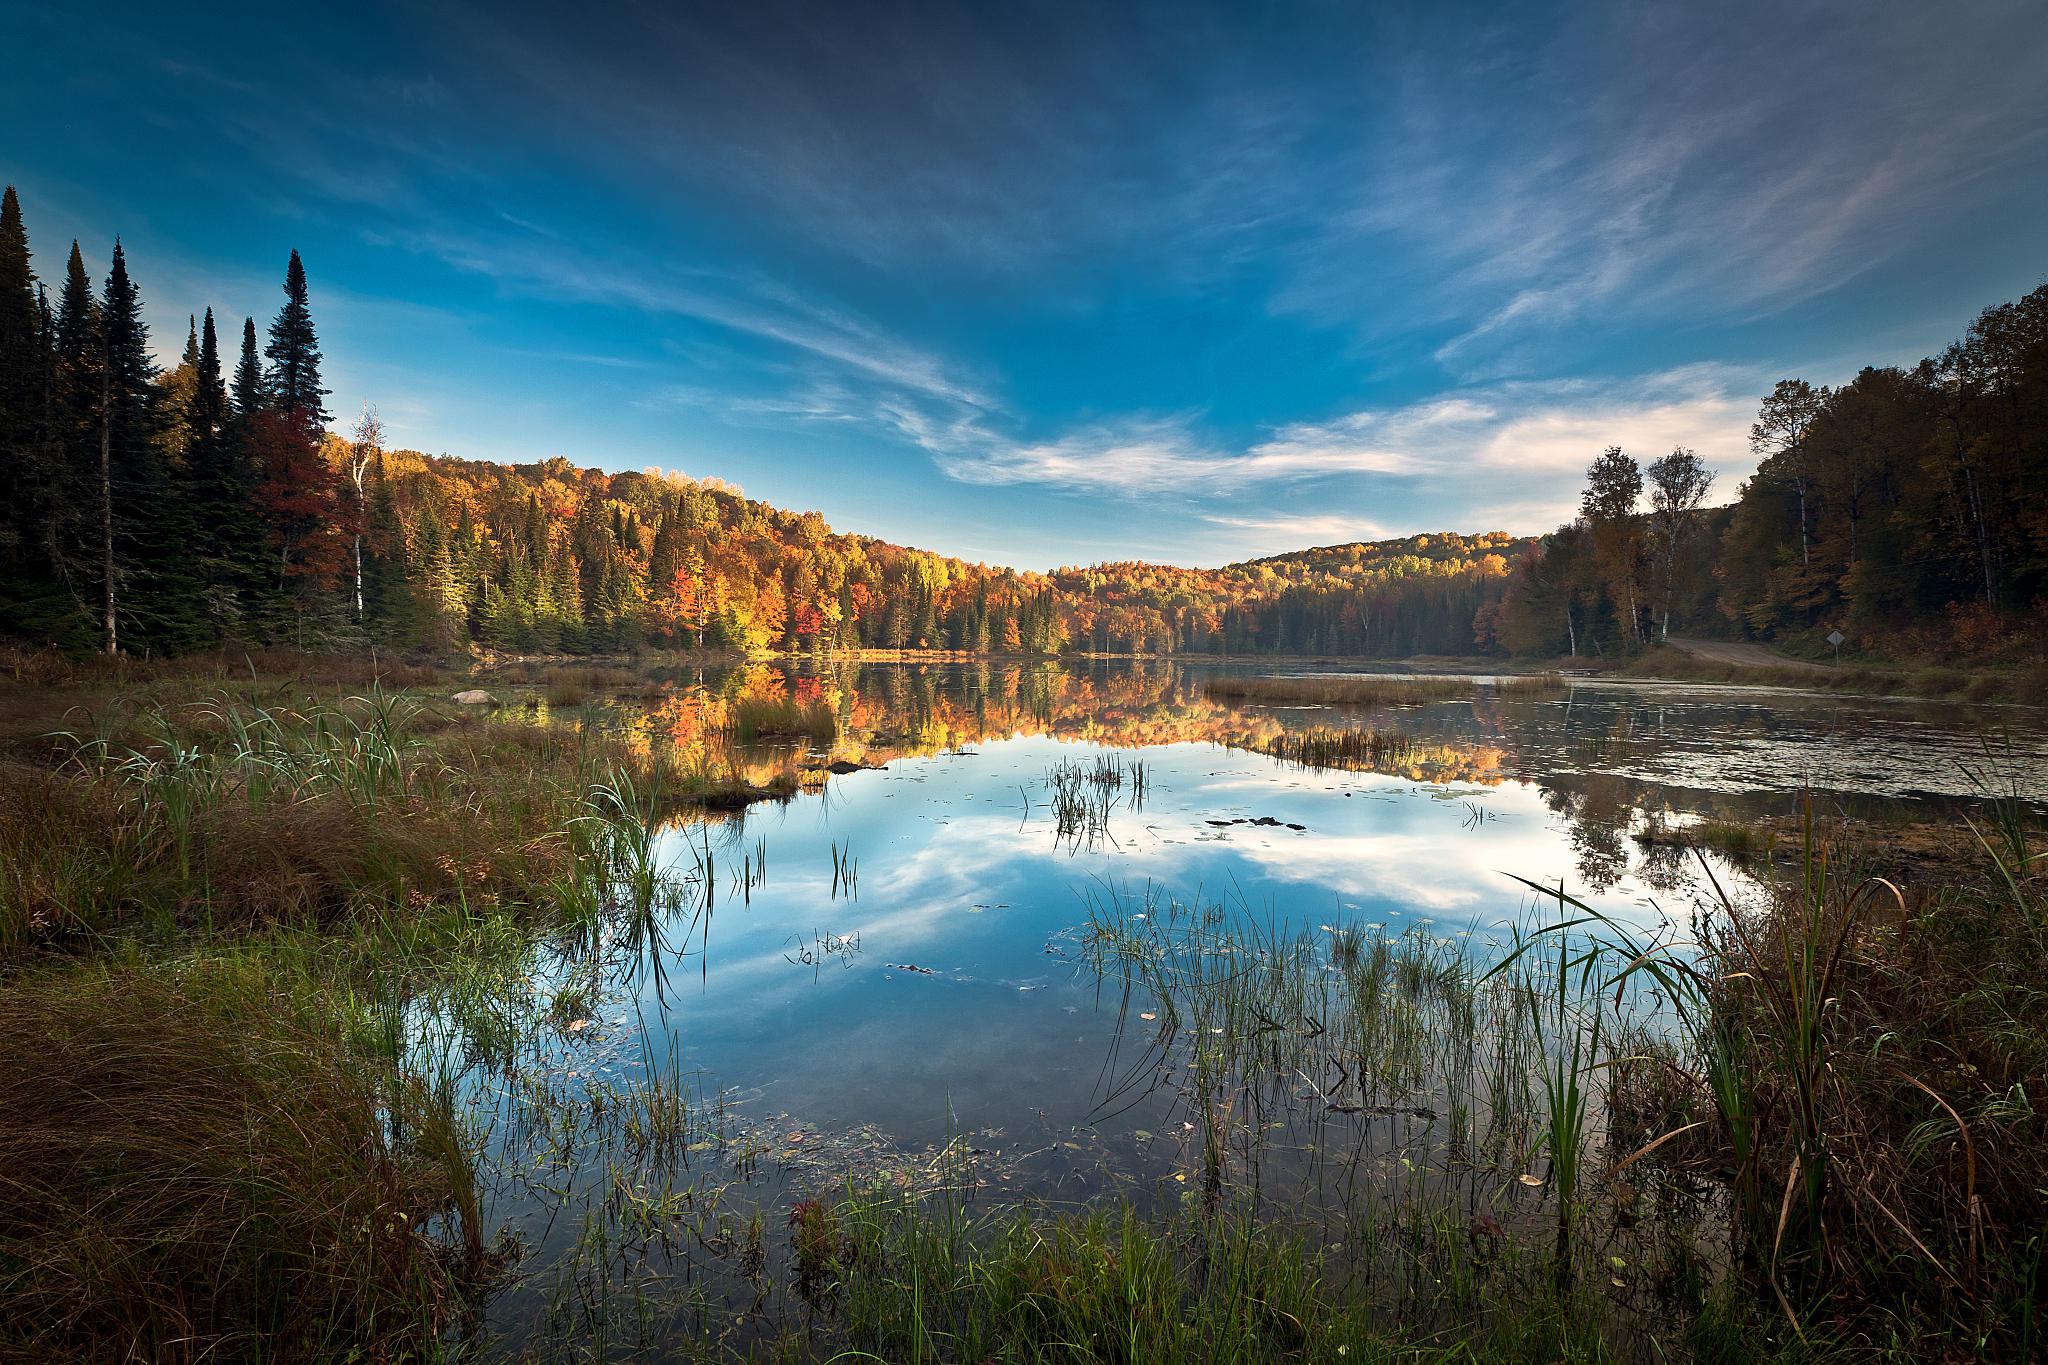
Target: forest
x=1906, y=509
x=153, y=510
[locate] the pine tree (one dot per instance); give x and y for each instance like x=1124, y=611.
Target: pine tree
x=294, y=354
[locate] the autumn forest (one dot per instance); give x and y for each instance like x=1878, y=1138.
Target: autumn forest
x=154, y=510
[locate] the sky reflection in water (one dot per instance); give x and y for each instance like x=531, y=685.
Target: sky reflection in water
x=962, y=875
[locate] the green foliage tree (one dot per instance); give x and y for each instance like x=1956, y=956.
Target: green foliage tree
x=251, y=393
x=1614, y=485
x=1679, y=483
x=292, y=381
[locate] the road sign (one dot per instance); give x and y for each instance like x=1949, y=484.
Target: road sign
x=1835, y=638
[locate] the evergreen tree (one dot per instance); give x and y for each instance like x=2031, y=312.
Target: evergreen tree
x=251, y=395
x=391, y=610
x=440, y=594
x=226, y=539
x=152, y=584
x=294, y=354
x=20, y=369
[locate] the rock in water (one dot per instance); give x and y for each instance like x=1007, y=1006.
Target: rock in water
x=476, y=696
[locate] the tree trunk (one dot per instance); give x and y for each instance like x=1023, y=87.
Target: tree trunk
x=1805, y=553
x=360, y=515
x=1670, y=580
x=107, y=516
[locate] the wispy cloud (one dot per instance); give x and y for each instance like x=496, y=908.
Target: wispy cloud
x=1539, y=435
x=1690, y=165
x=755, y=307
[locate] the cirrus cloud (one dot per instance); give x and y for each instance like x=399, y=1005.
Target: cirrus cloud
x=1531, y=438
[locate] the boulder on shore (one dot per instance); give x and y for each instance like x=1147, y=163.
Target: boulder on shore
x=476, y=696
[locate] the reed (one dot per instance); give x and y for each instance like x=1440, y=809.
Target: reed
x=1853, y=1067
x=1532, y=685
x=753, y=718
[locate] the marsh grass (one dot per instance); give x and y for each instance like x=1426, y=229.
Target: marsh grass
x=225, y=815
x=2026, y=685
x=941, y=1281
x=752, y=718
x=211, y=1163
x=1339, y=691
x=1858, y=1067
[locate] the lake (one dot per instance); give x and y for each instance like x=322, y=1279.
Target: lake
x=992, y=954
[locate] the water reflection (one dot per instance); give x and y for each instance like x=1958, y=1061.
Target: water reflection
x=902, y=968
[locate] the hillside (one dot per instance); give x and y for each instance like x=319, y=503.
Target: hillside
x=557, y=557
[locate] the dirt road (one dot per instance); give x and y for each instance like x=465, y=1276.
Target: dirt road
x=1742, y=654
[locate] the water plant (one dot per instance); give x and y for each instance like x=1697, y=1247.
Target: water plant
x=1339, y=690
x=752, y=718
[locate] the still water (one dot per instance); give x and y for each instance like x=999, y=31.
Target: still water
x=894, y=965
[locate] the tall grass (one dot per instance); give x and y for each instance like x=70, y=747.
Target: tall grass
x=1859, y=1068
x=1339, y=691
x=201, y=1165
x=754, y=718
x=226, y=815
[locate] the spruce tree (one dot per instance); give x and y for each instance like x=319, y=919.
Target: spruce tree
x=249, y=393
x=226, y=540
x=21, y=368
x=151, y=531
x=82, y=503
x=294, y=354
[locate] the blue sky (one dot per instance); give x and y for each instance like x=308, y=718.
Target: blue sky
x=1050, y=284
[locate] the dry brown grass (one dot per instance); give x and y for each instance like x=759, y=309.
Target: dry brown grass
x=1339, y=691
x=227, y=816
x=1870, y=1058
x=198, y=1166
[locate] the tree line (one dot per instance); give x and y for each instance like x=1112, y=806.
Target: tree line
x=162, y=509
x=150, y=509
x=1907, y=508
